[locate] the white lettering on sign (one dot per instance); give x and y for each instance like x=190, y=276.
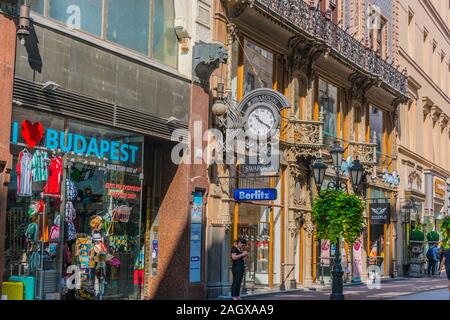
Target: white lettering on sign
x=255, y=195
x=74, y=20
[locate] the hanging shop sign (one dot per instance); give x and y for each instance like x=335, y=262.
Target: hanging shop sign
x=260, y=168
x=195, y=257
x=34, y=133
x=439, y=187
x=255, y=194
x=379, y=213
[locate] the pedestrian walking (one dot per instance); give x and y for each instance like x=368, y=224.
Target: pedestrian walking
x=432, y=256
x=238, y=268
x=446, y=264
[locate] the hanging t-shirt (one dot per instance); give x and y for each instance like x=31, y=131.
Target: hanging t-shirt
x=72, y=191
x=55, y=170
x=39, y=166
x=24, y=173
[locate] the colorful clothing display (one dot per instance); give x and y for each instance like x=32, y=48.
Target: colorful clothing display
x=139, y=268
x=70, y=217
x=24, y=173
x=72, y=191
x=39, y=165
x=55, y=170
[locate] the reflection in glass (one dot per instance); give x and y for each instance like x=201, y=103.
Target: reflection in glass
x=328, y=97
x=376, y=126
x=258, y=67
x=129, y=25
x=165, y=42
x=37, y=6
x=78, y=14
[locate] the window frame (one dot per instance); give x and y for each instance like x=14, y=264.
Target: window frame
x=83, y=34
x=339, y=101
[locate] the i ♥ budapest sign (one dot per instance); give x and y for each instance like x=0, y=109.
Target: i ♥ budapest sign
x=33, y=134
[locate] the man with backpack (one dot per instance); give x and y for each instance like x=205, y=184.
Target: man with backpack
x=432, y=258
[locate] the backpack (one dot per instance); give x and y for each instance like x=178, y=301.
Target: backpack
x=430, y=254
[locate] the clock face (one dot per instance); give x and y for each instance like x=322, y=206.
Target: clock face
x=261, y=121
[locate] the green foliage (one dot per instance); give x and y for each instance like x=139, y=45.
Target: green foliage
x=445, y=229
x=433, y=236
x=417, y=235
x=337, y=214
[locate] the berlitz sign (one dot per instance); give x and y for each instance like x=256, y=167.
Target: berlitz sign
x=255, y=194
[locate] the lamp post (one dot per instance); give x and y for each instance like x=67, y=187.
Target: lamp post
x=356, y=173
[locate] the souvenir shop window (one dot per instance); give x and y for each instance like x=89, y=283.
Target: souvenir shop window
x=67, y=209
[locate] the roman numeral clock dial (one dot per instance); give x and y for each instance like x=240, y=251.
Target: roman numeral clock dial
x=261, y=121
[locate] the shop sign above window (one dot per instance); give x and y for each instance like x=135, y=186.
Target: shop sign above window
x=255, y=194
x=439, y=187
x=35, y=133
x=379, y=213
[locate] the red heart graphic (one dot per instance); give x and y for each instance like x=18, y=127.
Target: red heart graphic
x=32, y=133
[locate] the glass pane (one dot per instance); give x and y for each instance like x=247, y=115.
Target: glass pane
x=165, y=42
x=129, y=23
x=328, y=98
x=108, y=192
x=37, y=6
x=258, y=66
x=376, y=126
x=79, y=14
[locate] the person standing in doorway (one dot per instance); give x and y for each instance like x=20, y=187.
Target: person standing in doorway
x=446, y=264
x=238, y=268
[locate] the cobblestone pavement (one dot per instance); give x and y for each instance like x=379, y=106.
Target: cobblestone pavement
x=408, y=289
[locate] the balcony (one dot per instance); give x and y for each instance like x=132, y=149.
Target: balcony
x=315, y=25
x=365, y=152
x=306, y=136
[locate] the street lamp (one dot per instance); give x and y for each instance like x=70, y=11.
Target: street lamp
x=356, y=173
x=319, y=169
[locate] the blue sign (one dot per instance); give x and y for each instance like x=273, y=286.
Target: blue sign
x=79, y=144
x=255, y=194
x=195, y=265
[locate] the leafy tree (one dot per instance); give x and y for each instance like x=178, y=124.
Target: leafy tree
x=337, y=214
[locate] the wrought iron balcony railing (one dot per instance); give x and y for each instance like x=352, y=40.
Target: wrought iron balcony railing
x=314, y=23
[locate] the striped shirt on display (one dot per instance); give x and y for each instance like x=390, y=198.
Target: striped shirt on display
x=39, y=166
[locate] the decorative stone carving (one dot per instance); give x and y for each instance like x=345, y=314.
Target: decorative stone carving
x=365, y=152
x=443, y=120
x=435, y=113
x=293, y=228
x=303, y=56
x=236, y=7
x=360, y=85
x=232, y=33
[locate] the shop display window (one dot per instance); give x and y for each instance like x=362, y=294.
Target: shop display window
x=74, y=208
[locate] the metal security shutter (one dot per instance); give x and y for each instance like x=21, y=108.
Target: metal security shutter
x=69, y=104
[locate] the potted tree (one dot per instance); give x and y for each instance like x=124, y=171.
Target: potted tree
x=417, y=258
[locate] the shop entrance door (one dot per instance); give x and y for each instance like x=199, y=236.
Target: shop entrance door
x=250, y=234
